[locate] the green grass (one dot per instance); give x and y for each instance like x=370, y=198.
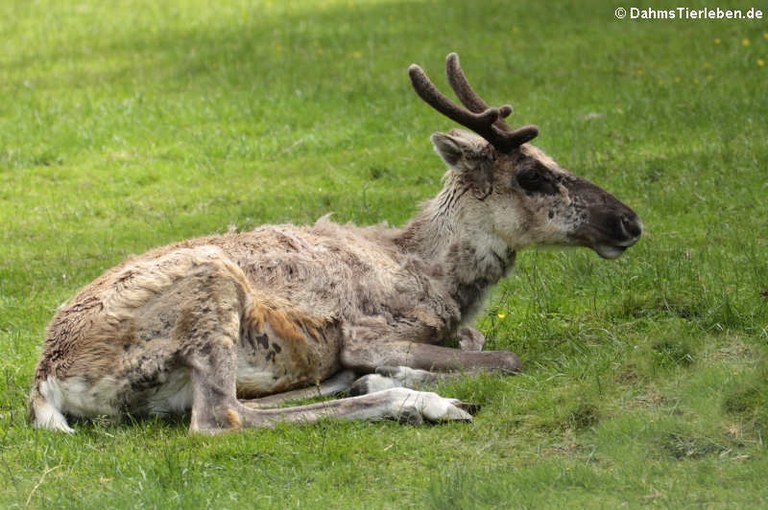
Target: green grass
x=127, y=125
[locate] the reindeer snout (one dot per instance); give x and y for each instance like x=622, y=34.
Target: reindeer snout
x=631, y=227
x=619, y=232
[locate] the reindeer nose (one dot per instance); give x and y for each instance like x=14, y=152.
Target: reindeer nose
x=631, y=226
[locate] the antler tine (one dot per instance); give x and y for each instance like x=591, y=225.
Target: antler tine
x=464, y=91
x=481, y=123
x=486, y=121
x=458, y=81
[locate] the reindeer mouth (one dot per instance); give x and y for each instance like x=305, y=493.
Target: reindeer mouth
x=609, y=252
x=616, y=235
x=608, y=248
x=613, y=250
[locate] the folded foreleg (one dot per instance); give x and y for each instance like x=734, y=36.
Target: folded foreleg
x=366, y=357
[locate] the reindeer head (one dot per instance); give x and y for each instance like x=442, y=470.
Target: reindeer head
x=523, y=196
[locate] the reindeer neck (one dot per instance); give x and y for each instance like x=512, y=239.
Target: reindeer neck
x=470, y=258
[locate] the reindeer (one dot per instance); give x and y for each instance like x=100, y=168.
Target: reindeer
x=222, y=327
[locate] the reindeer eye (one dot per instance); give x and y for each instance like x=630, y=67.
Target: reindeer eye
x=530, y=180
x=534, y=180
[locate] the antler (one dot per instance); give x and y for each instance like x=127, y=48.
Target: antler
x=486, y=121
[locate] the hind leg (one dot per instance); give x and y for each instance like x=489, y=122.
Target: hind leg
x=207, y=332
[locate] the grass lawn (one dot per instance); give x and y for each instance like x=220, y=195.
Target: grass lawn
x=128, y=125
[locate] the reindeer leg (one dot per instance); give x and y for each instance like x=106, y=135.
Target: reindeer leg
x=371, y=342
x=215, y=407
x=401, y=404
x=208, y=332
x=366, y=357
x=385, y=377
x=337, y=384
x=390, y=362
x=444, y=363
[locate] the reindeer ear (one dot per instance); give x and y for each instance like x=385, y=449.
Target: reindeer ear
x=449, y=147
x=465, y=157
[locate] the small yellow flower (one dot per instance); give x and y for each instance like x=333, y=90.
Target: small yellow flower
x=760, y=62
x=745, y=42
x=717, y=40
x=501, y=315
x=765, y=36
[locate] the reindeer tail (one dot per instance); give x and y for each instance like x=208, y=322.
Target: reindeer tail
x=43, y=411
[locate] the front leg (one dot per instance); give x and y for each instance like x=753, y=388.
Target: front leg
x=366, y=356
x=377, y=349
